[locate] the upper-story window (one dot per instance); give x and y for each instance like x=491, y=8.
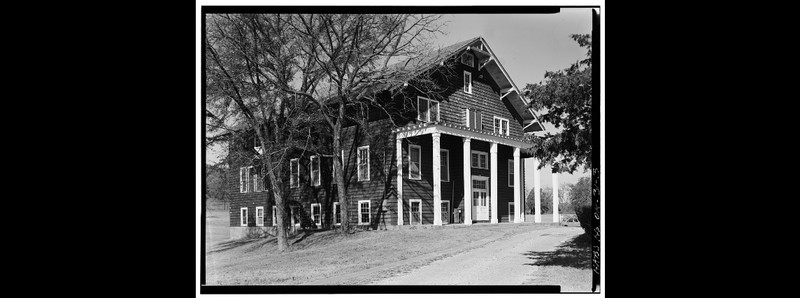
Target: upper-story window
x=468, y=59
x=473, y=118
x=315, y=172
x=501, y=126
x=249, y=180
x=479, y=160
x=414, y=162
x=363, y=163
x=294, y=173
x=427, y=109
x=467, y=82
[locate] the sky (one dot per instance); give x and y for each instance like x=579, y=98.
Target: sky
x=527, y=45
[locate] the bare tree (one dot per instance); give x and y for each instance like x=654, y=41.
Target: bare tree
x=360, y=58
x=249, y=59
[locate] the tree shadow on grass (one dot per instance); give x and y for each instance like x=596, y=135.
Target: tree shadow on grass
x=228, y=245
x=575, y=253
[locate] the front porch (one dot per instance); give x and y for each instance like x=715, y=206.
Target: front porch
x=489, y=173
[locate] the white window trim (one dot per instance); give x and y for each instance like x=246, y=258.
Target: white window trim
x=501, y=124
x=410, y=146
x=510, y=172
x=510, y=212
x=263, y=216
x=358, y=163
x=369, y=214
x=243, y=218
x=336, y=211
x=471, y=59
x=294, y=182
x=428, y=115
x=468, y=90
x=479, y=159
x=311, y=170
x=274, y=216
x=410, y=202
x=314, y=218
x=448, y=164
x=466, y=118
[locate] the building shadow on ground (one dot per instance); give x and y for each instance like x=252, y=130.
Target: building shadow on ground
x=575, y=253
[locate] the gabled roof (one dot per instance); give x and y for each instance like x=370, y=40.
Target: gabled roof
x=486, y=59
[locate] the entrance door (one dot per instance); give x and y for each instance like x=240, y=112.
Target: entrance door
x=480, y=198
x=446, y=212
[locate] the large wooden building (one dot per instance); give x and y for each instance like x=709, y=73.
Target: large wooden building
x=455, y=159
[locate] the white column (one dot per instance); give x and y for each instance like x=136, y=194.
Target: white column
x=537, y=192
x=555, y=198
x=467, y=182
x=437, y=179
x=399, y=157
x=494, y=181
x=517, y=182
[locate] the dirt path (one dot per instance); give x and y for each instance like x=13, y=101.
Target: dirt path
x=501, y=262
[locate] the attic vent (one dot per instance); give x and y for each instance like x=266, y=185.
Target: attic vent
x=468, y=59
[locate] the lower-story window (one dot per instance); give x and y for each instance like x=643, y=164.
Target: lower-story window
x=337, y=215
x=363, y=212
x=274, y=215
x=243, y=216
x=260, y=216
x=316, y=213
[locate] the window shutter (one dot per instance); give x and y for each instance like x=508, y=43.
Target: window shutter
x=434, y=110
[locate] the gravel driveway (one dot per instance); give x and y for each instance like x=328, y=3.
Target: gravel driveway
x=501, y=262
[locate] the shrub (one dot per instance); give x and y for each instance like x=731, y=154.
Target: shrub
x=581, y=197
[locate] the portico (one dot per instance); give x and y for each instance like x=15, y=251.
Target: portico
x=488, y=186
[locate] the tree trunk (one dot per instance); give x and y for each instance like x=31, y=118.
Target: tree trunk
x=337, y=167
x=280, y=215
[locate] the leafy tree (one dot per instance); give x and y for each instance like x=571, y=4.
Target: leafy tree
x=565, y=100
x=581, y=197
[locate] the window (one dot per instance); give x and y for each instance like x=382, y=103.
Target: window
x=468, y=59
x=316, y=213
x=501, y=126
x=427, y=109
x=242, y=179
x=260, y=216
x=467, y=82
x=337, y=216
x=473, y=119
x=415, y=212
x=274, y=215
x=510, y=211
x=315, y=178
x=245, y=178
x=414, y=162
x=243, y=216
x=363, y=212
x=479, y=160
x=294, y=173
x=511, y=173
x=444, y=156
x=295, y=216
x=363, y=163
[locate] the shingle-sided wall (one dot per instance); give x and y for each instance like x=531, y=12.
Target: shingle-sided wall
x=485, y=97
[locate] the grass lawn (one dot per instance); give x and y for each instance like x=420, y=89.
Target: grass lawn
x=327, y=255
